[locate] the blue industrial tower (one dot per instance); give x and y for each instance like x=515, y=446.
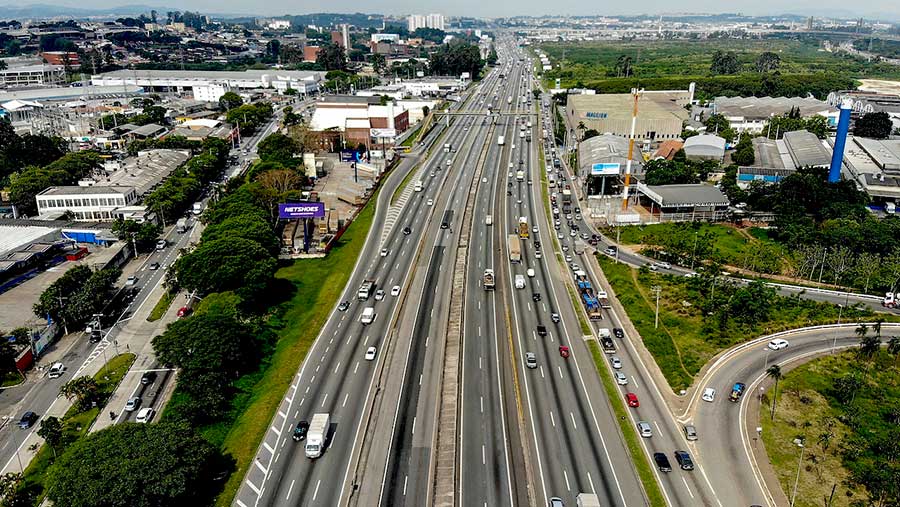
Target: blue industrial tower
x=837, y=157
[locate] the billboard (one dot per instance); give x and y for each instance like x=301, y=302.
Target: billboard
x=604, y=169
x=350, y=156
x=386, y=133
x=294, y=210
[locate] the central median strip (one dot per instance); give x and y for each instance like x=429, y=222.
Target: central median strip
x=632, y=441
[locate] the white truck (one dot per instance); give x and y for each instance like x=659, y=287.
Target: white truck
x=316, y=438
x=365, y=290
x=447, y=147
x=500, y=140
x=488, y=279
x=520, y=175
x=587, y=500
x=181, y=225
x=890, y=300
x=198, y=208
x=368, y=315
x=520, y=281
x=418, y=187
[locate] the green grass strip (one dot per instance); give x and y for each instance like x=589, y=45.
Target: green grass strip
x=161, y=306
x=632, y=441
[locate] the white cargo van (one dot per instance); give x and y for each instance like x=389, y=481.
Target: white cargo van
x=520, y=281
x=418, y=186
x=368, y=315
x=489, y=220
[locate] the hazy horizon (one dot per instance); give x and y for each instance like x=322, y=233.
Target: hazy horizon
x=878, y=9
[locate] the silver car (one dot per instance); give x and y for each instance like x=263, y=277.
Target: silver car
x=621, y=379
x=616, y=363
x=645, y=429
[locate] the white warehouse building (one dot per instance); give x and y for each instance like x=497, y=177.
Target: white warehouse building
x=91, y=203
x=209, y=86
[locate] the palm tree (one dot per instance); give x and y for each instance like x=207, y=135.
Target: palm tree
x=893, y=348
x=862, y=330
x=774, y=372
x=868, y=346
x=82, y=389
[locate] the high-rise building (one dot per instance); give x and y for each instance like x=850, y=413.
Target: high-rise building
x=809, y=23
x=416, y=21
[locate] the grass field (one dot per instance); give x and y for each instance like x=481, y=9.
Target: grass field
x=651, y=59
x=641, y=463
x=76, y=424
x=831, y=431
x=685, y=340
x=318, y=283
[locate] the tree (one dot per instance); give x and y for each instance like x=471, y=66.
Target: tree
x=143, y=234
x=492, y=56
x=136, y=465
x=623, y=66
x=868, y=346
x=589, y=133
x=280, y=148
x=744, y=155
x=250, y=226
x=12, y=492
x=84, y=390
x=51, y=431
x=378, y=63
x=719, y=125
x=229, y=101
x=208, y=342
x=774, y=372
x=893, y=348
x=223, y=264
x=767, y=61
x=724, y=63
x=332, y=56
x=875, y=125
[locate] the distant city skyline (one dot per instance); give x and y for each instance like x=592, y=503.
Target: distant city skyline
x=875, y=9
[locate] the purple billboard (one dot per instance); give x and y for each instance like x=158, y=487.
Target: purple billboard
x=294, y=210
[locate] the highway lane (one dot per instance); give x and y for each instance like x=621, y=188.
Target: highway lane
x=487, y=416
x=407, y=475
x=726, y=438
x=566, y=408
x=334, y=377
x=679, y=487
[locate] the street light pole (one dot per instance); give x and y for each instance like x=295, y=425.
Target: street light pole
x=657, y=290
x=797, y=480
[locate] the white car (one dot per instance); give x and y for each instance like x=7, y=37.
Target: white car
x=430, y=202
x=709, y=394
x=56, y=370
x=370, y=353
x=537, y=254
x=778, y=344
x=621, y=379
x=534, y=229
x=131, y=281
x=530, y=273
x=144, y=415
x=379, y=295
x=384, y=252
x=395, y=291
x=616, y=362
x=664, y=265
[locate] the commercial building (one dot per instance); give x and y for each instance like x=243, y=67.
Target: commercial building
x=705, y=147
x=660, y=114
x=684, y=203
x=354, y=120
x=209, y=86
x=92, y=203
x=862, y=102
x=201, y=129
x=806, y=150
x=750, y=114
x=416, y=21
x=21, y=72
x=601, y=163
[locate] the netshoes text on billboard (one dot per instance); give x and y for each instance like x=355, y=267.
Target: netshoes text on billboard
x=301, y=210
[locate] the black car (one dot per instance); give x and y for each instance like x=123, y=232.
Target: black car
x=407, y=231
x=662, y=462
x=542, y=330
x=343, y=306
x=300, y=431
x=28, y=419
x=154, y=266
x=148, y=378
x=618, y=332
x=536, y=296
x=684, y=460
x=537, y=245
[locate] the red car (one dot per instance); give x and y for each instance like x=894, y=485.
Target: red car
x=184, y=311
x=632, y=400
x=564, y=351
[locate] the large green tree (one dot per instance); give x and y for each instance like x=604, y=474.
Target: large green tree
x=767, y=61
x=224, y=264
x=874, y=125
x=135, y=465
x=229, y=101
x=724, y=62
x=278, y=147
x=332, y=56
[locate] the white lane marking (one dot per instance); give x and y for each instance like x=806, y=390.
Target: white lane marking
x=560, y=371
x=575, y=424
x=481, y=403
x=345, y=400
x=686, y=486
x=483, y=459
x=301, y=403
x=542, y=371
x=405, y=480
x=657, y=427
x=316, y=492
x=591, y=481
x=413, y=432
x=420, y=379
x=259, y=466
x=552, y=420
x=337, y=367
x=356, y=367
x=635, y=382
x=290, y=488
x=366, y=341
x=566, y=476
x=323, y=400
x=479, y=363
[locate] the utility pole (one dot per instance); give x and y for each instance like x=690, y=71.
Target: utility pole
x=656, y=290
x=799, y=466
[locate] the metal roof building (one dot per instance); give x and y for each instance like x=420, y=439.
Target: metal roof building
x=806, y=150
x=658, y=117
x=686, y=202
x=705, y=147
x=605, y=149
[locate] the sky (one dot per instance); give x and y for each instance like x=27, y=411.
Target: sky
x=887, y=9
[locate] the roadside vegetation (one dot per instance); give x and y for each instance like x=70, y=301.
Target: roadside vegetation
x=719, y=66
x=88, y=395
x=845, y=409
x=161, y=306
x=703, y=315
